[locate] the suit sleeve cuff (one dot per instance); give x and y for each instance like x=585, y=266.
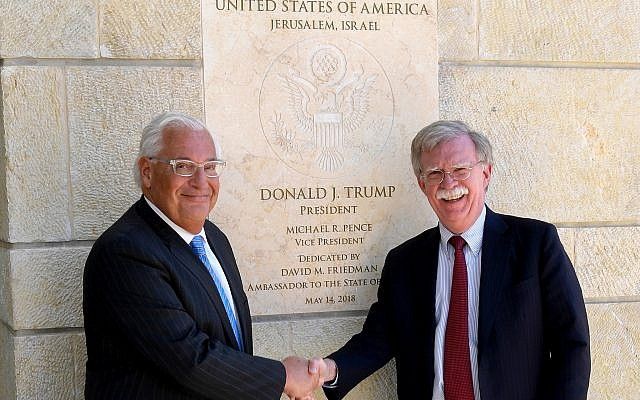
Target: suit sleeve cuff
x=334, y=383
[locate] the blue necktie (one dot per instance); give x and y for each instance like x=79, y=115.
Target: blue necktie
x=197, y=246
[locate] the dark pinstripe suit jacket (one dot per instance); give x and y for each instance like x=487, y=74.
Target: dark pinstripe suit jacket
x=154, y=322
x=533, y=337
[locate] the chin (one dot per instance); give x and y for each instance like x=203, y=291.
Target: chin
x=198, y=212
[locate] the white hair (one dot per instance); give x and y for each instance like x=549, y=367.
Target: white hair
x=442, y=131
x=152, y=134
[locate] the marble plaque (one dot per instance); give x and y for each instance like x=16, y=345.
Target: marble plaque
x=315, y=103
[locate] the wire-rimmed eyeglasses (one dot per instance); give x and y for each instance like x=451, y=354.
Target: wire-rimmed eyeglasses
x=212, y=169
x=436, y=176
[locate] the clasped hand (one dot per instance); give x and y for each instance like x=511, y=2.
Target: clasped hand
x=304, y=376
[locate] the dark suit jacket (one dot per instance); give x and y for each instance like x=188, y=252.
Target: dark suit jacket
x=155, y=325
x=533, y=337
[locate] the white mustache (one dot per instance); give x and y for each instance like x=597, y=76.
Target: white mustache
x=451, y=194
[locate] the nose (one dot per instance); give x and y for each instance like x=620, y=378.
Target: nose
x=199, y=178
x=448, y=181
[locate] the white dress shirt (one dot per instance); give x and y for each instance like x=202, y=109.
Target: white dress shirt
x=213, y=260
x=446, y=256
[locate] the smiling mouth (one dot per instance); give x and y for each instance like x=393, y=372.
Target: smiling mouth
x=453, y=194
x=197, y=196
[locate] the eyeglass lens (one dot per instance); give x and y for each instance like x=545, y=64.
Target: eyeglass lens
x=458, y=174
x=188, y=168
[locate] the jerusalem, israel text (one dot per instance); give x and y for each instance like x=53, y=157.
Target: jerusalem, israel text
x=316, y=24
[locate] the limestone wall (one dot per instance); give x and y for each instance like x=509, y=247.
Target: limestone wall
x=554, y=84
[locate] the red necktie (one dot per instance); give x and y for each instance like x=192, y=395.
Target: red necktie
x=458, y=384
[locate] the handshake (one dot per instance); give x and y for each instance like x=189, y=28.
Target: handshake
x=304, y=376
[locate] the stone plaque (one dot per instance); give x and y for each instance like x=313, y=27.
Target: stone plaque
x=315, y=103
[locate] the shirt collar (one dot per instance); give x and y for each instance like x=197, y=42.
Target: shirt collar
x=473, y=235
x=184, y=234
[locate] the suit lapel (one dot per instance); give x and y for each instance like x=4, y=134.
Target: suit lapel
x=496, y=248
x=430, y=271
x=227, y=262
x=181, y=251
x=423, y=278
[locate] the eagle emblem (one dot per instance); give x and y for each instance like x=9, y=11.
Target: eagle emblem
x=325, y=105
x=330, y=106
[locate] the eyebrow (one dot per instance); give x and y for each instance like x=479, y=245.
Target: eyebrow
x=189, y=159
x=454, y=166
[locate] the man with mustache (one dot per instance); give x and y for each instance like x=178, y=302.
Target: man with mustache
x=482, y=306
x=165, y=313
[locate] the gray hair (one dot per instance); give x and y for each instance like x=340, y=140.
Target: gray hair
x=439, y=132
x=151, y=139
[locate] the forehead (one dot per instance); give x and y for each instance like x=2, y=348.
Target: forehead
x=457, y=151
x=182, y=142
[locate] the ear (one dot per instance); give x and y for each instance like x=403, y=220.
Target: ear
x=486, y=174
x=144, y=166
x=423, y=186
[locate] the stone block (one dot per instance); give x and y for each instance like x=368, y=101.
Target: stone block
x=156, y=29
x=320, y=337
x=563, y=138
x=7, y=364
x=4, y=211
x=560, y=30
x=615, y=351
x=272, y=339
x=607, y=261
x=46, y=287
x=108, y=107
x=45, y=367
x=568, y=239
x=79, y=362
x=36, y=148
x=50, y=29
x=6, y=313
x=457, y=30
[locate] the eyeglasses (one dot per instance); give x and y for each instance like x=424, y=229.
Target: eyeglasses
x=436, y=176
x=212, y=169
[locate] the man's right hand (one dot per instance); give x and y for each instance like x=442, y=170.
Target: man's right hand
x=305, y=376
x=300, y=382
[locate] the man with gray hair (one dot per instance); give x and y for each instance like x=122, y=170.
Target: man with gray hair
x=482, y=306
x=165, y=313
